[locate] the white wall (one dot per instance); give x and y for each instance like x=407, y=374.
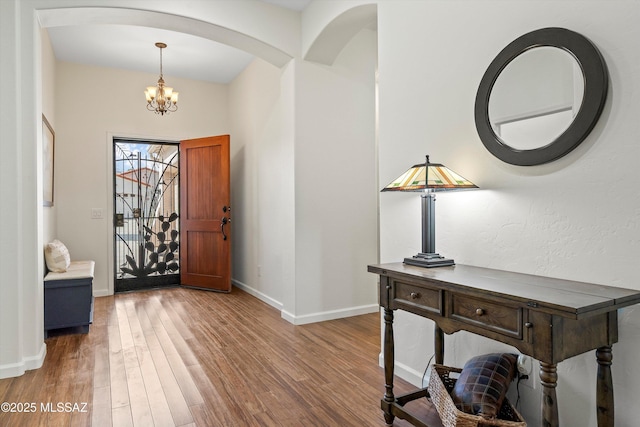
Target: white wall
x=48, y=109
x=86, y=125
x=303, y=234
x=336, y=194
x=576, y=218
x=21, y=318
x=260, y=105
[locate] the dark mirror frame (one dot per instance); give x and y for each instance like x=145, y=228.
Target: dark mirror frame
x=596, y=84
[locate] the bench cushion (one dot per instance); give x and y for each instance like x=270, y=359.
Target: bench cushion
x=76, y=270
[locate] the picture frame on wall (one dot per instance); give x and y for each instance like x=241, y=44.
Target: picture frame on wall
x=48, y=144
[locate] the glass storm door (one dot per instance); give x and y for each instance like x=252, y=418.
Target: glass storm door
x=146, y=211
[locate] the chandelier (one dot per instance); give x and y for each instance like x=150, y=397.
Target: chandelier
x=161, y=99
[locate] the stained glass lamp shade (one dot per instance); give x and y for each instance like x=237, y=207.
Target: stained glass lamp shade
x=429, y=178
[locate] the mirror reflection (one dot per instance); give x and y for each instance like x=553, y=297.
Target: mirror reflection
x=536, y=97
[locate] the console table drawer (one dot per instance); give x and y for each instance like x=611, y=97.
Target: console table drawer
x=417, y=297
x=491, y=315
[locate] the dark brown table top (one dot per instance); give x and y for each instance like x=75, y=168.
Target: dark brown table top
x=564, y=297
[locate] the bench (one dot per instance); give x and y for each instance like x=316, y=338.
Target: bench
x=68, y=297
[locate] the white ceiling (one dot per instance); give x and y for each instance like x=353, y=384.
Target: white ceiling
x=298, y=5
x=133, y=48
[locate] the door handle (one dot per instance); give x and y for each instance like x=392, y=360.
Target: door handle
x=224, y=221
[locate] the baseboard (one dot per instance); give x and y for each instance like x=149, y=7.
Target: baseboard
x=16, y=369
x=330, y=315
x=307, y=318
x=102, y=293
x=406, y=373
x=254, y=292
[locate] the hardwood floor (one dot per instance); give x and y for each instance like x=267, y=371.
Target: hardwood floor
x=182, y=357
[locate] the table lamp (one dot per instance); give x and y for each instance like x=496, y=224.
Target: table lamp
x=429, y=178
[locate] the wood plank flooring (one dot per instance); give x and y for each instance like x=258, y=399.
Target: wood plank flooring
x=183, y=357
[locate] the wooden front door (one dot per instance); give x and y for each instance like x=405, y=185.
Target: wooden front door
x=205, y=248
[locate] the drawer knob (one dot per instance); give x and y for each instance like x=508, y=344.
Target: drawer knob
x=528, y=325
x=414, y=295
x=479, y=311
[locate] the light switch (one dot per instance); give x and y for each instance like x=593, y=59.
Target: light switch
x=96, y=213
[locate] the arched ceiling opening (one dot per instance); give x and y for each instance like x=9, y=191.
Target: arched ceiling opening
x=333, y=38
x=191, y=42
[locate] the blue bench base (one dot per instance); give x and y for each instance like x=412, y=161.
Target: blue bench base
x=68, y=303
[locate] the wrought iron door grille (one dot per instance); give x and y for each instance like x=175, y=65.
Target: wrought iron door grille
x=146, y=204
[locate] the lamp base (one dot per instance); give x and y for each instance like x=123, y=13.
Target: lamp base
x=429, y=260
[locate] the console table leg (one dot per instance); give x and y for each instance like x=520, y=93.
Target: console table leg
x=549, y=381
x=438, y=340
x=604, y=392
x=388, y=354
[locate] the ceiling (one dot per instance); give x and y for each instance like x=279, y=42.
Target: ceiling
x=298, y=5
x=133, y=48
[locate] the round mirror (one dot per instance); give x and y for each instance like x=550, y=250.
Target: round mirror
x=536, y=97
x=540, y=97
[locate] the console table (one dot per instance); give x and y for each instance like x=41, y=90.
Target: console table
x=545, y=318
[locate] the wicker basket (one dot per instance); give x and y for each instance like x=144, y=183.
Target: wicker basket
x=441, y=384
